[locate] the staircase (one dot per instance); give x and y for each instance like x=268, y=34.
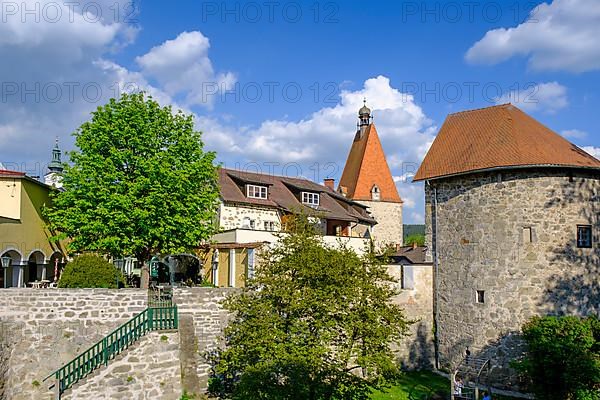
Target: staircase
x=154, y=318
x=472, y=372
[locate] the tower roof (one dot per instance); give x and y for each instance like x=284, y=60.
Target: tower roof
x=367, y=167
x=498, y=137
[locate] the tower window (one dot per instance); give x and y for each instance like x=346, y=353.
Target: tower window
x=584, y=236
x=480, y=296
x=375, y=193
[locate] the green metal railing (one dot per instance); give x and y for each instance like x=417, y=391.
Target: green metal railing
x=151, y=319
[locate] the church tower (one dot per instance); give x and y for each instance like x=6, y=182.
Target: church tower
x=367, y=179
x=55, y=169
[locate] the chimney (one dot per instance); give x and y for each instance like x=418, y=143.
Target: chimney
x=415, y=244
x=330, y=183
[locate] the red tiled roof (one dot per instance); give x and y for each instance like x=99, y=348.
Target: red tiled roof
x=366, y=166
x=7, y=173
x=498, y=137
x=283, y=192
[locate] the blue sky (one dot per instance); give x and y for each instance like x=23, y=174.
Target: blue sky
x=275, y=86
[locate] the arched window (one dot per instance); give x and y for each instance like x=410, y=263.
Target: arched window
x=375, y=194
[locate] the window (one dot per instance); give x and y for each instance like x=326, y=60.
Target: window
x=375, y=193
x=269, y=226
x=480, y=296
x=248, y=223
x=584, y=236
x=527, y=235
x=256, y=192
x=311, y=199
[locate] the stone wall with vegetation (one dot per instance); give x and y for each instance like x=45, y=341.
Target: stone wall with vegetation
x=513, y=236
x=43, y=329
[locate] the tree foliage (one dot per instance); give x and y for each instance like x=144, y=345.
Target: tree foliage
x=415, y=238
x=90, y=271
x=314, y=323
x=139, y=184
x=563, y=357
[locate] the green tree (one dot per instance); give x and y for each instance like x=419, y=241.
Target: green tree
x=415, y=238
x=140, y=182
x=90, y=271
x=314, y=323
x=563, y=357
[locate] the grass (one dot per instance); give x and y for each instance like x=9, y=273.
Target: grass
x=419, y=385
x=414, y=384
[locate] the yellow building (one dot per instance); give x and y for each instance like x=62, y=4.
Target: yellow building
x=26, y=253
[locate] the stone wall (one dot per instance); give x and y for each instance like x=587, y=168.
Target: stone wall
x=232, y=216
x=389, y=221
x=512, y=236
x=148, y=370
x=416, y=298
x=50, y=327
x=209, y=320
x=43, y=329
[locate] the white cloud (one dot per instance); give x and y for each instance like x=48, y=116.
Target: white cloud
x=562, y=35
x=546, y=97
x=574, y=134
x=317, y=146
x=182, y=65
x=595, y=151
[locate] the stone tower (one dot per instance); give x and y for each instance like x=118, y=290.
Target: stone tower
x=54, y=175
x=512, y=226
x=367, y=179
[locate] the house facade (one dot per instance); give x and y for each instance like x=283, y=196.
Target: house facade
x=367, y=180
x=26, y=252
x=512, y=229
x=253, y=212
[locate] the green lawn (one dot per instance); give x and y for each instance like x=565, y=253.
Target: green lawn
x=414, y=385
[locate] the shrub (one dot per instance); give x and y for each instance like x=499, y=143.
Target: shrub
x=90, y=271
x=563, y=357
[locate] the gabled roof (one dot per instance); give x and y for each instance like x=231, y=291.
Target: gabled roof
x=498, y=137
x=282, y=192
x=366, y=167
x=410, y=255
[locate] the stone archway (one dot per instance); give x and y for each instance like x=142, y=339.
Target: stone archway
x=36, y=266
x=13, y=275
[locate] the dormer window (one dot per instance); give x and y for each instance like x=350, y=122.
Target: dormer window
x=375, y=193
x=310, y=199
x=256, y=192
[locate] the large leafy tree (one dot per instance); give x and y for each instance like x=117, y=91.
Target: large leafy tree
x=314, y=323
x=562, y=360
x=140, y=182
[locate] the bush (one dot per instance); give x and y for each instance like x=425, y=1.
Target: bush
x=563, y=357
x=90, y=271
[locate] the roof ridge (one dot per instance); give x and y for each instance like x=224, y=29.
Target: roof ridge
x=503, y=105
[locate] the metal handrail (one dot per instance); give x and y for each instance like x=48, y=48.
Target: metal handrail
x=151, y=319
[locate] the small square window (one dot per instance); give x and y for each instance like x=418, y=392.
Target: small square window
x=584, y=236
x=480, y=296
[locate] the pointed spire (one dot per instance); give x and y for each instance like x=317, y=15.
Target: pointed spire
x=56, y=163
